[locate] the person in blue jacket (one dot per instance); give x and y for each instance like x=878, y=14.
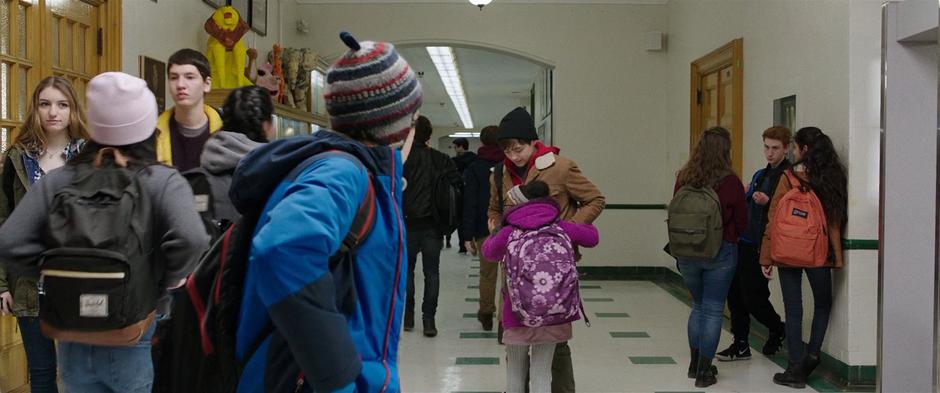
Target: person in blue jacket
x=297, y=337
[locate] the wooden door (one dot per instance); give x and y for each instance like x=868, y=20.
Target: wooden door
x=717, y=97
x=74, y=39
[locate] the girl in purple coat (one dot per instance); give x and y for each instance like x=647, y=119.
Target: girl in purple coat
x=534, y=210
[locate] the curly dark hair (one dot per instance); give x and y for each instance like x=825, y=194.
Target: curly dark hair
x=535, y=189
x=245, y=111
x=827, y=176
x=710, y=160
x=140, y=155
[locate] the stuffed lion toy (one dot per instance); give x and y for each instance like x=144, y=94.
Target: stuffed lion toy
x=226, y=49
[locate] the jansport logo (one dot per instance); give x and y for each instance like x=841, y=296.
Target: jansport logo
x=800, y=213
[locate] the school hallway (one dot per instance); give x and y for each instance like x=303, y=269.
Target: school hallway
x=636, y=342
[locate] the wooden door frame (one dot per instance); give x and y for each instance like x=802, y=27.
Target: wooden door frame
x=731, y=54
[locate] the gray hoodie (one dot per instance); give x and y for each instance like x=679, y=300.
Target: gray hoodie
x=220, y=156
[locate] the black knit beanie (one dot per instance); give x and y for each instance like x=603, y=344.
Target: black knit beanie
x=517, y=124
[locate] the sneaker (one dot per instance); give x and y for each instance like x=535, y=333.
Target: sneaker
x=774, y=342
x=739, y=350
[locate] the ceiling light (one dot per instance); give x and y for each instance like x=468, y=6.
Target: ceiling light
x=446, y=64
x=465, y=135
x=480, y=3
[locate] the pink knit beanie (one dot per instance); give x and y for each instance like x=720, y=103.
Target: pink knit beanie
x=121, y=109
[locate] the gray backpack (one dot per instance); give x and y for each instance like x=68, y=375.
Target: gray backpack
x=695, y=224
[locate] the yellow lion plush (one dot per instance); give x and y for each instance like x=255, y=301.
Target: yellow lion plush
x=226, y=49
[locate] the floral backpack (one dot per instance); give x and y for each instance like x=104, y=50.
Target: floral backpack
x=542, y=281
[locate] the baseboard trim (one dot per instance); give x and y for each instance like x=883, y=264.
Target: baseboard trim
x=833, y=375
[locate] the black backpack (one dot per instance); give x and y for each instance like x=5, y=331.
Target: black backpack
x=446, y=201
x=98, y=279
x=199, y=351
x=205, y=203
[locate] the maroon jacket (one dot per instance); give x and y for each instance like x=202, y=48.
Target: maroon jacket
x=733, y=207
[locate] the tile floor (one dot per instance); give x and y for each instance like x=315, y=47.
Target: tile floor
x=636, y=342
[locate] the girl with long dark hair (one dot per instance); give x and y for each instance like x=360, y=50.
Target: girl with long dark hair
x=708, y=281
x=818, y=168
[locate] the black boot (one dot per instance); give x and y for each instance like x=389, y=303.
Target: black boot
x=693, y=364
x=409, y=320
x=774, y=341
x=792, y=377
x=486, y=319
x=705, y=375
x=810, y=362
x=429, y=329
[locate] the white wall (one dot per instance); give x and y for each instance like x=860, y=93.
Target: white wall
x=609, y=100
x=158, y=29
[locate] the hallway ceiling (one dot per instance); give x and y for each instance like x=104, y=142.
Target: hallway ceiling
x=494, y=83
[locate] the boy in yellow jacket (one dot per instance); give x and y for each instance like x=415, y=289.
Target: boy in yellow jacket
x=185, y=128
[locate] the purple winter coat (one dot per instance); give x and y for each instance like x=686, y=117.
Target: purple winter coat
x=530, y=216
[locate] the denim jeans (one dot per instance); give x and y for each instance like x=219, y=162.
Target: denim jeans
x=708, y=282
x=427, y=242
x=40, y=356
x=100, y=369
x=791, y=284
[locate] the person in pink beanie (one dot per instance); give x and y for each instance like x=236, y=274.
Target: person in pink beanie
x=159, y=241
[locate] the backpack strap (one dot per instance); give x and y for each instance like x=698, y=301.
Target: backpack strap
x=498, y=179
x=799, y=182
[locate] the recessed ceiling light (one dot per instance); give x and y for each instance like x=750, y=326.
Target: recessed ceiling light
x=446, y=64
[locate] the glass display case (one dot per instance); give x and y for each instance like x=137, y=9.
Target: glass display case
x=287, y=121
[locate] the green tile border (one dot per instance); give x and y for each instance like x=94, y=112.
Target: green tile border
x=629, y=335
x=647, y=360
x=473, y=287
x=477, y=361
x=597, y=299
x=590, y=287
x=634, y=206
x=605, y=315
x=473, y=275
x=859, y=244
x=468, y=335
x=472, y=299
x=832, y=375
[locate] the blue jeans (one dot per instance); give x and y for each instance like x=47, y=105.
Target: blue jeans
x=791, y=284
x=99, y=369
x=40, y=356
x=708, y=281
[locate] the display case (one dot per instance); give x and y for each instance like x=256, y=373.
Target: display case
x=287, y=121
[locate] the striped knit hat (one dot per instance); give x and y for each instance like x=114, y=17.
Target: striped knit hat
x=372, y=92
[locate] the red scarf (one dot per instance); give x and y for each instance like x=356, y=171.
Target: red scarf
x=540, y=150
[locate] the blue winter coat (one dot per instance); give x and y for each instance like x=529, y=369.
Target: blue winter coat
x=289, y=282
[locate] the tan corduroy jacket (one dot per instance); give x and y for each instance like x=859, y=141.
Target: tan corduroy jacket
x=579, y=200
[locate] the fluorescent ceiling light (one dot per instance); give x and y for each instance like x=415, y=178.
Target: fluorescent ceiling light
x=446, y=64
x=465, y=135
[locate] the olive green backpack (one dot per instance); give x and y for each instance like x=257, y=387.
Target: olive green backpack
x=695, y=224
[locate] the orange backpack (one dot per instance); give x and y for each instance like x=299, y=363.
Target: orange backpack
x=799, y=234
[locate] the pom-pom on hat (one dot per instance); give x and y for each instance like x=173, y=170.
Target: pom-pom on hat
x=121, y=109
x=372, y=93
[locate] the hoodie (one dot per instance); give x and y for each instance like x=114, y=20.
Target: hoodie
x=530, y=216
x=219, y=157
x=289, y=284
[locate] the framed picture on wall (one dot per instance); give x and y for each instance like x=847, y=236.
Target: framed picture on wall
x=259, y=16
x=244, y=9
x=153, y=71
x=214, y=3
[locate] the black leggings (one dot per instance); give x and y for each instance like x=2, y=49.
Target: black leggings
x=791, y=283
